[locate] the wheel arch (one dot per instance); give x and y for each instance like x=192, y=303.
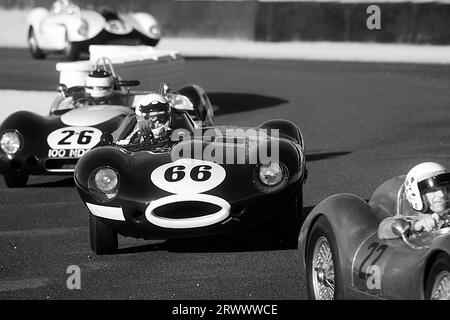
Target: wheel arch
x=432, y=257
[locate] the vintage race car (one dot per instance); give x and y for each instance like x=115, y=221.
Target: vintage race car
x=170, y=188
x=344, y=255
x=67, y=29
x=31, y=144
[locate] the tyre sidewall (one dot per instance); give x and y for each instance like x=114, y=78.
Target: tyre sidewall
x=442, y=263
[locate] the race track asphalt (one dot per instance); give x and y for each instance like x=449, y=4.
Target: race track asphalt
x=362, y=124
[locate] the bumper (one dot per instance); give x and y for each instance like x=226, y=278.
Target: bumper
x=139, y=220
x=33, y=165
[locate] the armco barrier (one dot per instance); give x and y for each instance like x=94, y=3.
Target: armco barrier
x=403, y=22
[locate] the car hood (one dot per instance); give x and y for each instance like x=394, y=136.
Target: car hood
x=94, y=115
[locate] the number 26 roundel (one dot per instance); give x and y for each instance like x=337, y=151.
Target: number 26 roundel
x=74, y=138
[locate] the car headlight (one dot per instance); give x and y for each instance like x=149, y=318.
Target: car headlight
x=10, y=142
x=270, y=177
x=155, y=30
x=104, y=184
x=83, y=29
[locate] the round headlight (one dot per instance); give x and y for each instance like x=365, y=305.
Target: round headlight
x=10, y=142
x=271, y=174
x=106, y=180
x=83, y=28
x=103, y=184
x=155, y=30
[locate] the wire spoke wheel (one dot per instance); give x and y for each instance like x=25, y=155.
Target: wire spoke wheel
x=441, y=287
x=323, y=280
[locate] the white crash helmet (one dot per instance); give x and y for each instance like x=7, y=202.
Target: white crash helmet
x=421, y=177
x=154, y=105
x=99, y=83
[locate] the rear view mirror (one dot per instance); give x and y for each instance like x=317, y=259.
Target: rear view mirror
x=400, y=228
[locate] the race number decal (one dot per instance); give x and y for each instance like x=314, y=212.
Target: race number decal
x=74, y=138
x=188, y=176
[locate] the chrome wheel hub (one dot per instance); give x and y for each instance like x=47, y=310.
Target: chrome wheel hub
x=323, y=270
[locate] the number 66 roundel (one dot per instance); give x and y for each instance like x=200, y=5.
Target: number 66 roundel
x=74, y=138
x=188, y=176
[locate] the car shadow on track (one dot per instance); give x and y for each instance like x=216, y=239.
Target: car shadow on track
x=228, y=102
x=228, y=243
x=325, y=155
x=67, y=182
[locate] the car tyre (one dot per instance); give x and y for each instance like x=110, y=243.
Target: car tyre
x=35, y=51
x=103, y=237
x=17, y=181
x=438, y=280
x=289, y=222
x=323, y=275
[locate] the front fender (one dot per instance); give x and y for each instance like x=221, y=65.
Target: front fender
x=94, y=21
x=144, y=23
x=351, y=219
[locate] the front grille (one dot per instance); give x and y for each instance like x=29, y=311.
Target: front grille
x=60, y=164
x=186, y=209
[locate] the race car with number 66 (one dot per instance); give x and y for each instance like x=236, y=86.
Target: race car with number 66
x=179, y=187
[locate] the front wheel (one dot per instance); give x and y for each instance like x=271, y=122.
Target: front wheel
x=323, y=275
x=289, y=223
x=103, y=237
x=17, y=181
x=438, y=281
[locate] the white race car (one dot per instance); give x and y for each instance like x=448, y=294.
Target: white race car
x=67, y=29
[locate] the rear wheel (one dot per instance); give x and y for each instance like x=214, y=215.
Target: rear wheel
x=323, y=275
x=103, y=237
x=16, y=181
x=35, y=51
x=438, y=281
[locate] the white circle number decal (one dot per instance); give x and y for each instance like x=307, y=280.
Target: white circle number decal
x=74, y=138
x=188, y=176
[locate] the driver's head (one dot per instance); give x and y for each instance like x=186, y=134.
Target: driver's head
x=99, y=84
x=426, y=187
x=153, y=113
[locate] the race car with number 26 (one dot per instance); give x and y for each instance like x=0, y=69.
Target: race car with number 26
x=32, y=144
x=345, y=257
x=170, y=189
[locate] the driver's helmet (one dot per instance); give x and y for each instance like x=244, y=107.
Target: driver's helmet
x=99, y=83
x=60, y=5
x=153, y=114
x=427, y=178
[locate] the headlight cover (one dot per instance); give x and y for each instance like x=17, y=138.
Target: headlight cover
x=83, y=29
x=103, y=184
x=11, y=142
x=270, y=177
x=155, y=30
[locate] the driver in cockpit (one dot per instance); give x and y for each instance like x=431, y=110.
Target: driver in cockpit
x=427, y=191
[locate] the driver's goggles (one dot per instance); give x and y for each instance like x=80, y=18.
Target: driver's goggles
x=162, y=118
x=98, y=88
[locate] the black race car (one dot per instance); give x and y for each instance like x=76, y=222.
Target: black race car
x=179, y=187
